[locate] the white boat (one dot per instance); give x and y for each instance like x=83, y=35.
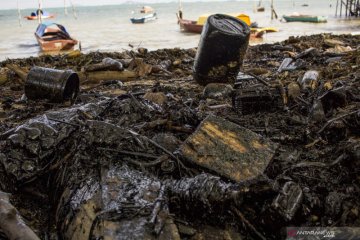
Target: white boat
x=144, y=19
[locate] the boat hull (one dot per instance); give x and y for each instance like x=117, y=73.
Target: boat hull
x=147, y=18
x=243, y=17
x=192, y=27
x=55, y=45
x=36, y=17
x=54, y=39
x=305, y=18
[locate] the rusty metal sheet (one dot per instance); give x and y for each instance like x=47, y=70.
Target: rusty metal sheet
x=232, y=151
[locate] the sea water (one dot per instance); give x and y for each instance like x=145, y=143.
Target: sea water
x=108, y=28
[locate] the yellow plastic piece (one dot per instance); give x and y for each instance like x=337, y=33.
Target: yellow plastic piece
x=270, y=29
x=328, y=86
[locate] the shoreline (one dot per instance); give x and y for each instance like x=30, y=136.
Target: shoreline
x=313, y=125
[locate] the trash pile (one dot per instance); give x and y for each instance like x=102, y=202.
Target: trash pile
x=145, y=152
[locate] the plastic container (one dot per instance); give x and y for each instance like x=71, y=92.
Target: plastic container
x=310, y=80
x=223, y=44
x=54, y=85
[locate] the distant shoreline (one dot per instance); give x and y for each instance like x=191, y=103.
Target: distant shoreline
x=108, y=27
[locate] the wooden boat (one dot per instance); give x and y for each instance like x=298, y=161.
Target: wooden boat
x=144, y=19
x=260, y=9
x=54, y=37
x=305, y=18
x=243, y=17
x=197, y=26
x=190, y=26
x=39, y=13
x=193, y=27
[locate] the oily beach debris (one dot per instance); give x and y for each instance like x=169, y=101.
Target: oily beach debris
x=116, y=157
x=51, y=84
x=221, y=49
x=228, y=149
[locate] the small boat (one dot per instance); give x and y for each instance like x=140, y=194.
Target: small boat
x=190, y=26
x=197, y=26
x=144, y=19
x=305, y=18
x=150, y=15
x=54, y=37
x=39, y=13
x=260, y=9
x=243, y=17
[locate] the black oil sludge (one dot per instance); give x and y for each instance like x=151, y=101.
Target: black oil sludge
x=221, y=50
x=54, y=85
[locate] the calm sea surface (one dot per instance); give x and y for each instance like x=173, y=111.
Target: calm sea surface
x=108, y=28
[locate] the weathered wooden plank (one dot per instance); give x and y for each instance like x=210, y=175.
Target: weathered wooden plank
x=228, y=149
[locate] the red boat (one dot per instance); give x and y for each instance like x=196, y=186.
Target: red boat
x=192, y=27
x=36, y=17
x=54, y=37
x=39, y=13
